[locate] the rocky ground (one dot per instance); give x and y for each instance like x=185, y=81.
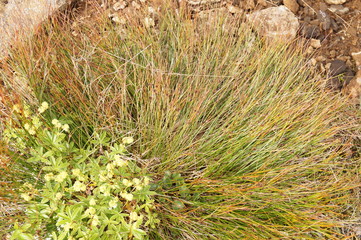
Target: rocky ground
x=331, y=29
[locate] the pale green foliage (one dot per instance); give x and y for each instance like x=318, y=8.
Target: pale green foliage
x=82, y=193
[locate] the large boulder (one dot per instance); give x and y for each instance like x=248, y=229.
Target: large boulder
x=275, y=23
x=19, y=17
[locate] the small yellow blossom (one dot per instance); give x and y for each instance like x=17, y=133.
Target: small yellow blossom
x=27, y=126
x=67, y=226
x=90, y=211
x=128, y=140
x=92, y=202
x=61, y=176
x=110, y=167
x=16, y=108
x=58, y=196
x=119, y=162
x=56, y=123
x=127, y=196
x=32, y=131
x=36, y=122
x=26, y=196
x=65, y=128
x=136, y=181
x=95, y=221
x=49, y=176
x=44, y=106
x=127, y=183
x=76, y=172
x=146, y=180
x=79, y=186
x=133, y=216
x=113, y=203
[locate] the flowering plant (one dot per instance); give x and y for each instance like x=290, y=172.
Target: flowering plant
x=97, y=192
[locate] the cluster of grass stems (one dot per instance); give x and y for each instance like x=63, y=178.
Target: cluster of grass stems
x=260, y=145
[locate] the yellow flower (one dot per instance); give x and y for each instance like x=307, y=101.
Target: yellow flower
x=133, y=216
x=113, y=203
x=128, y=140
x=92, y=202
x=78, y=186
x=58, y=196
x=65, y=127
x=49, y=176
x=90, y=211
x=32, y=131
x=16, y=108
x=119, y=162
x=61, y=176
x=36, y=122
x=127, y=183
x=146, y=180
x=44, y=106
x=27, y=126
x=56, y=123
x=95, y=221
x=127, y=196
x=25, y=196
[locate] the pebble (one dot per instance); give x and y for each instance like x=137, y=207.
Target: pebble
x=120, y=5
x=324, y=19
x=320, y=59
x=334, y=84
x=337, y=67
x=291, y=5
x=275, y=23
x=338, y=9
x=357, y=58
x=315, y=43
x=310, y=31
x=336, y=2
x=136, y=5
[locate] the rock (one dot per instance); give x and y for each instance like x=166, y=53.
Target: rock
x=136, y=5
x=315, y=43
x=338, y=9
x=291, y=5
x=310, y=31
x=324, y=19
x=348, y=76
x=357, y=57
x=232, y=9
x=336, y=2
x=337, y=67
x=120, y=5
x=334, y=84
x=353, y=89
x=275, y=23
x=149, y=22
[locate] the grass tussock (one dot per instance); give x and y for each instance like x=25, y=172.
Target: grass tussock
x=257, y=143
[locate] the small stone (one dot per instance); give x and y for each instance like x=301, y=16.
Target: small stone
x=232, y=9
x=334, y=84
x=333, y=53
x=324, y=19
x=291, y=5
x=313, y=61
x=357, y=58
x=320, y=59
x=310, y=31
x=336, y=2
x=310, y=50
x=337, y=67
x=149, y=22
x=353, y=89
x=338, y=9
x=315, y=43
x=262, y=3
x=327, y=66
x=275, y=23
x=120, y=5
x=136, y=5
